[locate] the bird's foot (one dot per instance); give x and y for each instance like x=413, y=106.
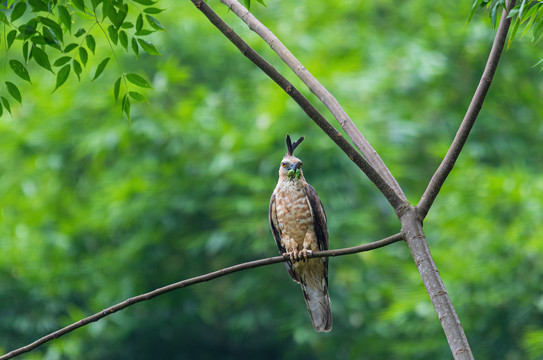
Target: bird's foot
x=304, y=254
x=294, y=255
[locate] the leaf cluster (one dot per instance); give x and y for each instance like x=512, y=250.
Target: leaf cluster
x=527, y=14
x=60, y=38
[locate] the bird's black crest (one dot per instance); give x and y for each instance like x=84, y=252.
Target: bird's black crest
x=291, y=147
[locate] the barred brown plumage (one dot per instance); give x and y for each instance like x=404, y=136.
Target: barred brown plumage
x=298, y=224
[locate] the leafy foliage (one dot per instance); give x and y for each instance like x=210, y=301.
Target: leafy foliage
x=527, y=14
x=43, y=31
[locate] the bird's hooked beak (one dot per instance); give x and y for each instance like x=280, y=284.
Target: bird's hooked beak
x=293, y=171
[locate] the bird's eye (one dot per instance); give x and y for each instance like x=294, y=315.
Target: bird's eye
x=284, y=164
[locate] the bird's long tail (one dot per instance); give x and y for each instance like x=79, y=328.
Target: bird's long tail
x=318, y=303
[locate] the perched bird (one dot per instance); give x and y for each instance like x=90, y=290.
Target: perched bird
x=298, y=224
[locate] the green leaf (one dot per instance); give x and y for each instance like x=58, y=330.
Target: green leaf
x=513, y=13
x=83, y=55
x=152, y=10
x=494, y=14
x=1, y=111
x=537, y=32
x=14, y=91
x=95, y=3
x=112, y=15
x=62, y=76
x=135, y=47
x=145, y=2
x=77, y=69
x=5, y=102
x=521, y=9
x=117, y=88
x=38, y=5
x=65, y=17
x=473, y=8
x=25, y=51
x=144, y=32
x=62, y=61
x=11, y=37
x=79, y=4
x=28, y=29
x=513, y=32
x=112, y=31
x=531, y=11
x=20, y=70
x=107, y=7
x=139, y=22
x=100, y=68
x=148, y=47
x=126, y=106
x=18, y=11
x=70, y=47
x=55, y=28
x=3, y=17
x=51, y=39
x=91, y=44
x=38, y=40
x=155, y=24
x=121, y=15
x=123, y=38
x=127, y=25
x=80, y=32
x=41, y=58
x=138, y=80
x=137, y=96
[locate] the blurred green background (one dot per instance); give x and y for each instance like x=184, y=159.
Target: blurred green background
x=95, y=210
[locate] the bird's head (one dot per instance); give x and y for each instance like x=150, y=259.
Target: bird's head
x=291, y=166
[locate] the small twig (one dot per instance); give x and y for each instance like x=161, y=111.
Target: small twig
x=461, y=137
x=320, y=91
x=392, y=196
x=195, y=280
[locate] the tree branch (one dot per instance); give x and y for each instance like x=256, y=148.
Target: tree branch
x=461, y=137
x=320, y=91
x=416, y=240
x=195, y=280
x=392, y=196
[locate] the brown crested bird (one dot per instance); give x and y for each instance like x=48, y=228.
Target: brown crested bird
x=298, y=224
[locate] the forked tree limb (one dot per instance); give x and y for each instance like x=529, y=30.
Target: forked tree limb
x=320, y=91
x=397, y=202
x=475, y=105
x=195, y=280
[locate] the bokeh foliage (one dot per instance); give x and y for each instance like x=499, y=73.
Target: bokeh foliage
x=95, y=210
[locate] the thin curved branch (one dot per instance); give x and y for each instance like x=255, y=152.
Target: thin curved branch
x=195, y=280
x=320, y=91
x=461, y=137
x=392, y=196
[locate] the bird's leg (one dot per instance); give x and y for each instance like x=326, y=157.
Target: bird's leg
x=309, y=244
x=291, y=249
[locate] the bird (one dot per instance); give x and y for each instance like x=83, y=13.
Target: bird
x=299, y=226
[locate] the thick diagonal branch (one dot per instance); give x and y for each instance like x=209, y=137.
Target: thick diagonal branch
x=320, y=91
x=392, y=196
x=461, y=137
x=195, y=280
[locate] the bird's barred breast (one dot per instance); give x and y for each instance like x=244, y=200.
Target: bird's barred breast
x=293, y=212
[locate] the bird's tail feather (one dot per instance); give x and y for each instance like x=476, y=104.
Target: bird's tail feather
x=318, y=303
